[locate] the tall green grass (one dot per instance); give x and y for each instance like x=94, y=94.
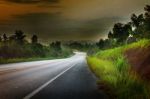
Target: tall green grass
x=113, y=69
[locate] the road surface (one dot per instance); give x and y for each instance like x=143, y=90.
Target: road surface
x=67, y=78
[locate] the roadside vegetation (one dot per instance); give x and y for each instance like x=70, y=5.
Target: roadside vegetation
x=122, y=62
x=15, y=48
x=113, y=69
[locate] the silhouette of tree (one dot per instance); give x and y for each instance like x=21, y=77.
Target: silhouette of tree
x=0, y=39
x=101, y=44
x=5, y=38
x=56, y=46
x=137, y=20
x=117, y=31
x=12, y=38
x=34, y=39
x=147, y=8
x=19, y=36
x=147, y=17
x=110, y=35
x=128, y=29
x=121, y=32
x=147, y=12
x=142, y=24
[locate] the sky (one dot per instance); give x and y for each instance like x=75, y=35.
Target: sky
x=67, y=20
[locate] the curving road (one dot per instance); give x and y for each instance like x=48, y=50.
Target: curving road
x=67, y=78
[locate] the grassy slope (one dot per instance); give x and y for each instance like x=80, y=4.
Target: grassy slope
x=113, y=69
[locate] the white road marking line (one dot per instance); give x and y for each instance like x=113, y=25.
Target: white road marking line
x=46, y=84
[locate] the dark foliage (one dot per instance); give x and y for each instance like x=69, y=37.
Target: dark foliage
x=138, y=28
x=16, y=46
x=5, y=38
x=34, y=39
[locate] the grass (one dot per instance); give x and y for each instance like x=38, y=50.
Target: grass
x=112, y=68
x=17, y=60
x=14, y=60
x=50, y=55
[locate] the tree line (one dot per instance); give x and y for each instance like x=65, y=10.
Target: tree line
x=16, y=46
x=138, y=28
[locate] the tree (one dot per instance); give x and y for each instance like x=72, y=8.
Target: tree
x=121, y=32
x=5, y=38
x=147, y=8
x=117, y=32
x=147, y=17
x=101, y=44
x=147, y=13
x=34, y=39
x=12, y=38
x=137, y=20
x=128, y=29
x=0, y=39
x=56, y=45
x=56, y=48
x=110, y=35
x=19, y=36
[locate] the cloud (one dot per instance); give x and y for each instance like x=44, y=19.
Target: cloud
x=77, y=20
x=91, y=9
x=32, y=1
x=51, y=26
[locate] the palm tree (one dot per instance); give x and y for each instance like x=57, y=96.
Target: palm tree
x=137, y=20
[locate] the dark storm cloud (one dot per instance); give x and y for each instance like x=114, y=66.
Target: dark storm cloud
x=77, y=20
x=32, y=1
x=51, y=26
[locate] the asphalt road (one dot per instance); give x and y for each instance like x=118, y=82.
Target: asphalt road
x=67, y=78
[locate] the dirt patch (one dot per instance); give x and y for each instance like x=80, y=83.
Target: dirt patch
x=139, y=58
